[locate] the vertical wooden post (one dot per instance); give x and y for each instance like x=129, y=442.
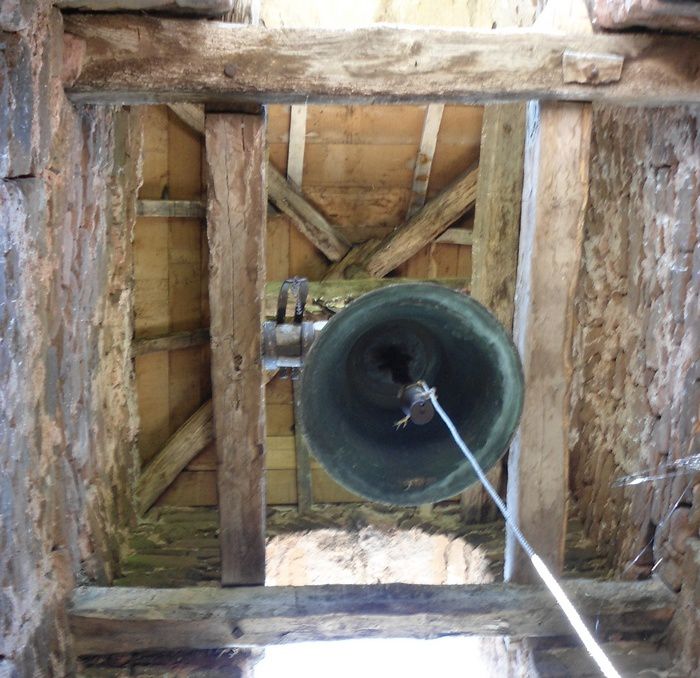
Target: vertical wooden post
x=236, y=210
x=555, y=194
x=495, y=248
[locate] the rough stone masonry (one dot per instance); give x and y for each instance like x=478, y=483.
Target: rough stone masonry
x=67, y=415
x=636, y=397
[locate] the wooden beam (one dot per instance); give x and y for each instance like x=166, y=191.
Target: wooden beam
x=141, y=59
x=297, y=145
x=182, y=447
x=495, y=250
x=554, y=200
x=170, y=342
x=424, y=226
x=187, y=209
x=189, y=7
x=331, y=296
x=424, y=161
x=456, y=236
x=191, y=115
x=236, y=211
x=555, y=195
x=305, y=217
x=119, y=620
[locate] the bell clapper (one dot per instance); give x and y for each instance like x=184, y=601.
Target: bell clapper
x=416, y=404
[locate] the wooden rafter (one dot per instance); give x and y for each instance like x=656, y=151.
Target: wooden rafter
x=424, y=161
x=379, y=257
x=209, y=61
x=118, y=620
x=191, y=115
x=305, y=216
x=183, y=446
x=297, y=145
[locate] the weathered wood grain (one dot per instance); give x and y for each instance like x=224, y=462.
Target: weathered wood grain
x=191, y=7
x=456, y=236
x=296, y=146
x=236, y=208
x=170, y=342
x=555, y=194
x=308, y=220
x=424, y=160
x=120, y=620
x=137, y=59
x=190, y=439
x=191, y=115
x=187, y=209
x=424, y=226
x=331, y=296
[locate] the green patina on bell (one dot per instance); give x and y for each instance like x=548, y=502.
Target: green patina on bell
x=351, y=414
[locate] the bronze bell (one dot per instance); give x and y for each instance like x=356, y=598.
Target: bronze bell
x=365, y=421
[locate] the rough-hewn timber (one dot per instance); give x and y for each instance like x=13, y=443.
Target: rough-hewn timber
x=236, y=210
x=137, y=59
x=424, y=226
x=119, y=620
x=305, y=217
x=190, y=439
x=554, y=200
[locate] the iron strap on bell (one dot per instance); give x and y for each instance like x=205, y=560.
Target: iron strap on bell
x=363, y=410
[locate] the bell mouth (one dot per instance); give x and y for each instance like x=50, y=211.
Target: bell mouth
x=352, y=411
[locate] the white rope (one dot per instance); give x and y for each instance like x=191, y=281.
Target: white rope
x=547, y=577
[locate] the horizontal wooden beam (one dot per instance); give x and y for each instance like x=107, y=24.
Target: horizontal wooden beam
x=456, y=236
x=188, y=209
x=146, y=59
x=170, y=342
x=330, y=296
x=327, y=296
x=190, y=7
x=119, y=620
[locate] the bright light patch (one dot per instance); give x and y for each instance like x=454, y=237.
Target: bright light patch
x=376, y=658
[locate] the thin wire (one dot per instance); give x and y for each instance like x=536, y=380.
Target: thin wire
x=550, y=582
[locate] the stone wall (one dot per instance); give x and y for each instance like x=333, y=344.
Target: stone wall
x=67, y=416
x=637, y=341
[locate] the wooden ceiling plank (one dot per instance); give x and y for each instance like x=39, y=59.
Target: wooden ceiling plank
x=197, y=61
x=308, y=220
x=236, y=213
x=119, y=620
x=424, y=161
